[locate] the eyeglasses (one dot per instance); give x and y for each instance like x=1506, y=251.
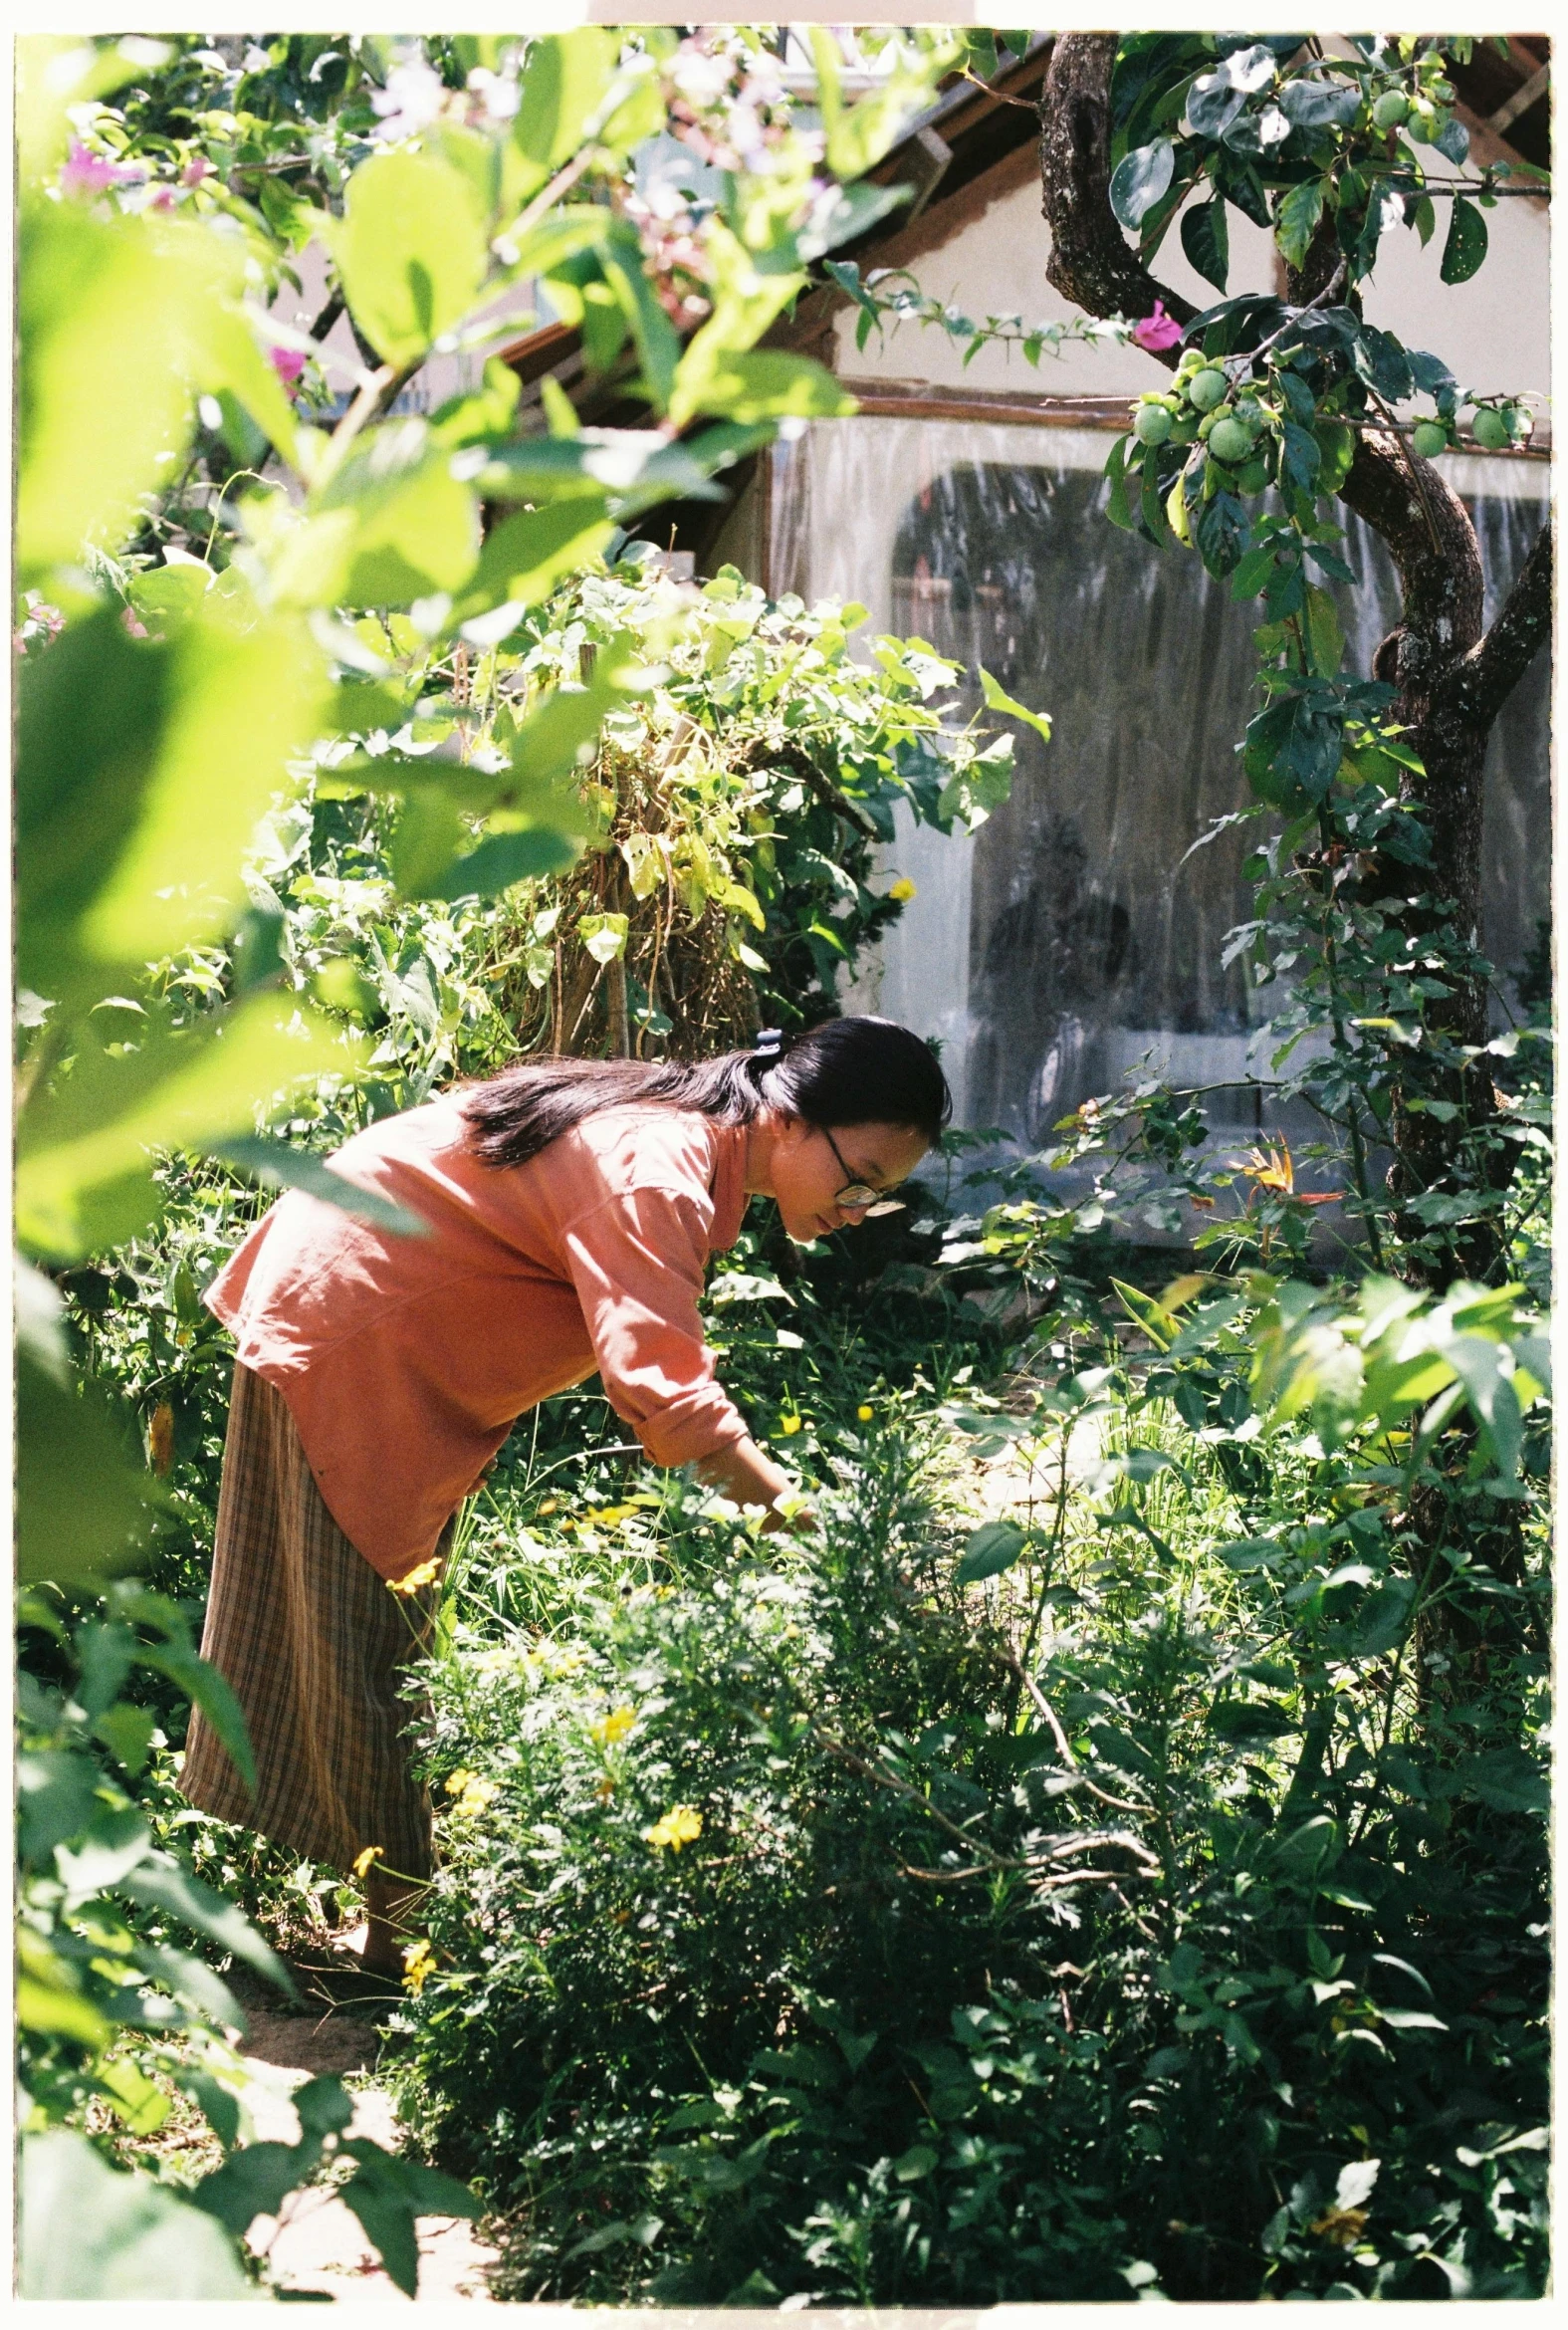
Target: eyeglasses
x=859, y=1196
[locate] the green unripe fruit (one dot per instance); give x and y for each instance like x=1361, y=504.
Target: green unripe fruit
x=1229, y=441
x=1184, y=430
x=1255, y=476
x=1250, y=415
x=1390, y=110
x=1429, y=439
x=1520, y=421
x=1207, y=388
x=1152, y=424
x=1489, y=428
x=1423, y=119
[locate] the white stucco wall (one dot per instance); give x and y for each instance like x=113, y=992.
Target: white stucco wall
x=1493, y=331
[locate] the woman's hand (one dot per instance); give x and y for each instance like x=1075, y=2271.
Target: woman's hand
x=747, y=1477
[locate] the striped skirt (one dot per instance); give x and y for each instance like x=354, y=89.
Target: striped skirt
x=312, y=1643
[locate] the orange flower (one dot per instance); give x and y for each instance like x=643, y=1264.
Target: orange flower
x=1275, y=1169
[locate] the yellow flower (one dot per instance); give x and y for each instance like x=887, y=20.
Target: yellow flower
x=425, y=1575
x=471, y=1794
x=789, y=1424
x=548, y=1506
x=681, y=1825
x=417, y=1962
x=864, y=1413
x=363, y=1861
x=614, y=1725
x=903, y=888
x=612, y=1513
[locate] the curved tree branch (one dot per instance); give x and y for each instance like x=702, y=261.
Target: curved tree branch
x=1450, y=683
x=1479, y=686
x=1090, y=261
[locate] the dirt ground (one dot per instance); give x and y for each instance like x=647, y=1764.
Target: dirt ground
x=319, y=2246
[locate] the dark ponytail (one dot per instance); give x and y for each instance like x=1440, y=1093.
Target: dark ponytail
x=859, y=1070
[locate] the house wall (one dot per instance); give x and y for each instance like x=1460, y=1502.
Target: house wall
x=1493, y=331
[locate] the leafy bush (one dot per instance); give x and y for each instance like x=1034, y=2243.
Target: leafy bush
x=796, y=1936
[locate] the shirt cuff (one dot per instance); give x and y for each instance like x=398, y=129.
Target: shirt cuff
x=688, y=1431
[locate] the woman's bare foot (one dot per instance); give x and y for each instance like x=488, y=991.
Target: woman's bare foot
x=387, y=1929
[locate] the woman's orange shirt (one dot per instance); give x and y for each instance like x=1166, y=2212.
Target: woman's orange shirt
x=405, y=1361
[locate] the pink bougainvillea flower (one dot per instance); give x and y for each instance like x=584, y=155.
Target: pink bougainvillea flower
x=163, y=199
x=1157, y=330
x=86, y=173
x=288, y=364
x=136, y=629
x=196, y=170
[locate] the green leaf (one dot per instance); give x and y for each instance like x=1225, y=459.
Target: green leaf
x=194, y=1984
x=85, y=1505
x=525, y=557
x=162, y=1883
x=565, y=78
x=136, y=2101
x=1246, y=1721
x=658, y=341
x=412, y=251
x=1325, y=638
x=95, y=303
x=769, y=384
x=106, y=1852
x=222, y=2109
x=1140, y=180
x=85, y=1149
x=387, y=2193
x=57, y=1797
x=989, y=1551
x=1505, y=1778
x=254, y=2183
x=276, y=1165
x=1465, y=247
x=1478, y=1364
x=1296, y=220
x=1224, y=533
x=128, y=848
x=127, y=1731
x=999, y=701
x=1336, y=442
x=207, y=1688
x=87, y=2231
x=499, y=861
x=1158, y=1324
x=1206, y=239
x=1383, y=1619
x=393, y=524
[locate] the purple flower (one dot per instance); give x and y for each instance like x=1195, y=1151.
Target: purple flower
x=288, y=364
x=196, y=170
x=1157, y=330
x=86, y=173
